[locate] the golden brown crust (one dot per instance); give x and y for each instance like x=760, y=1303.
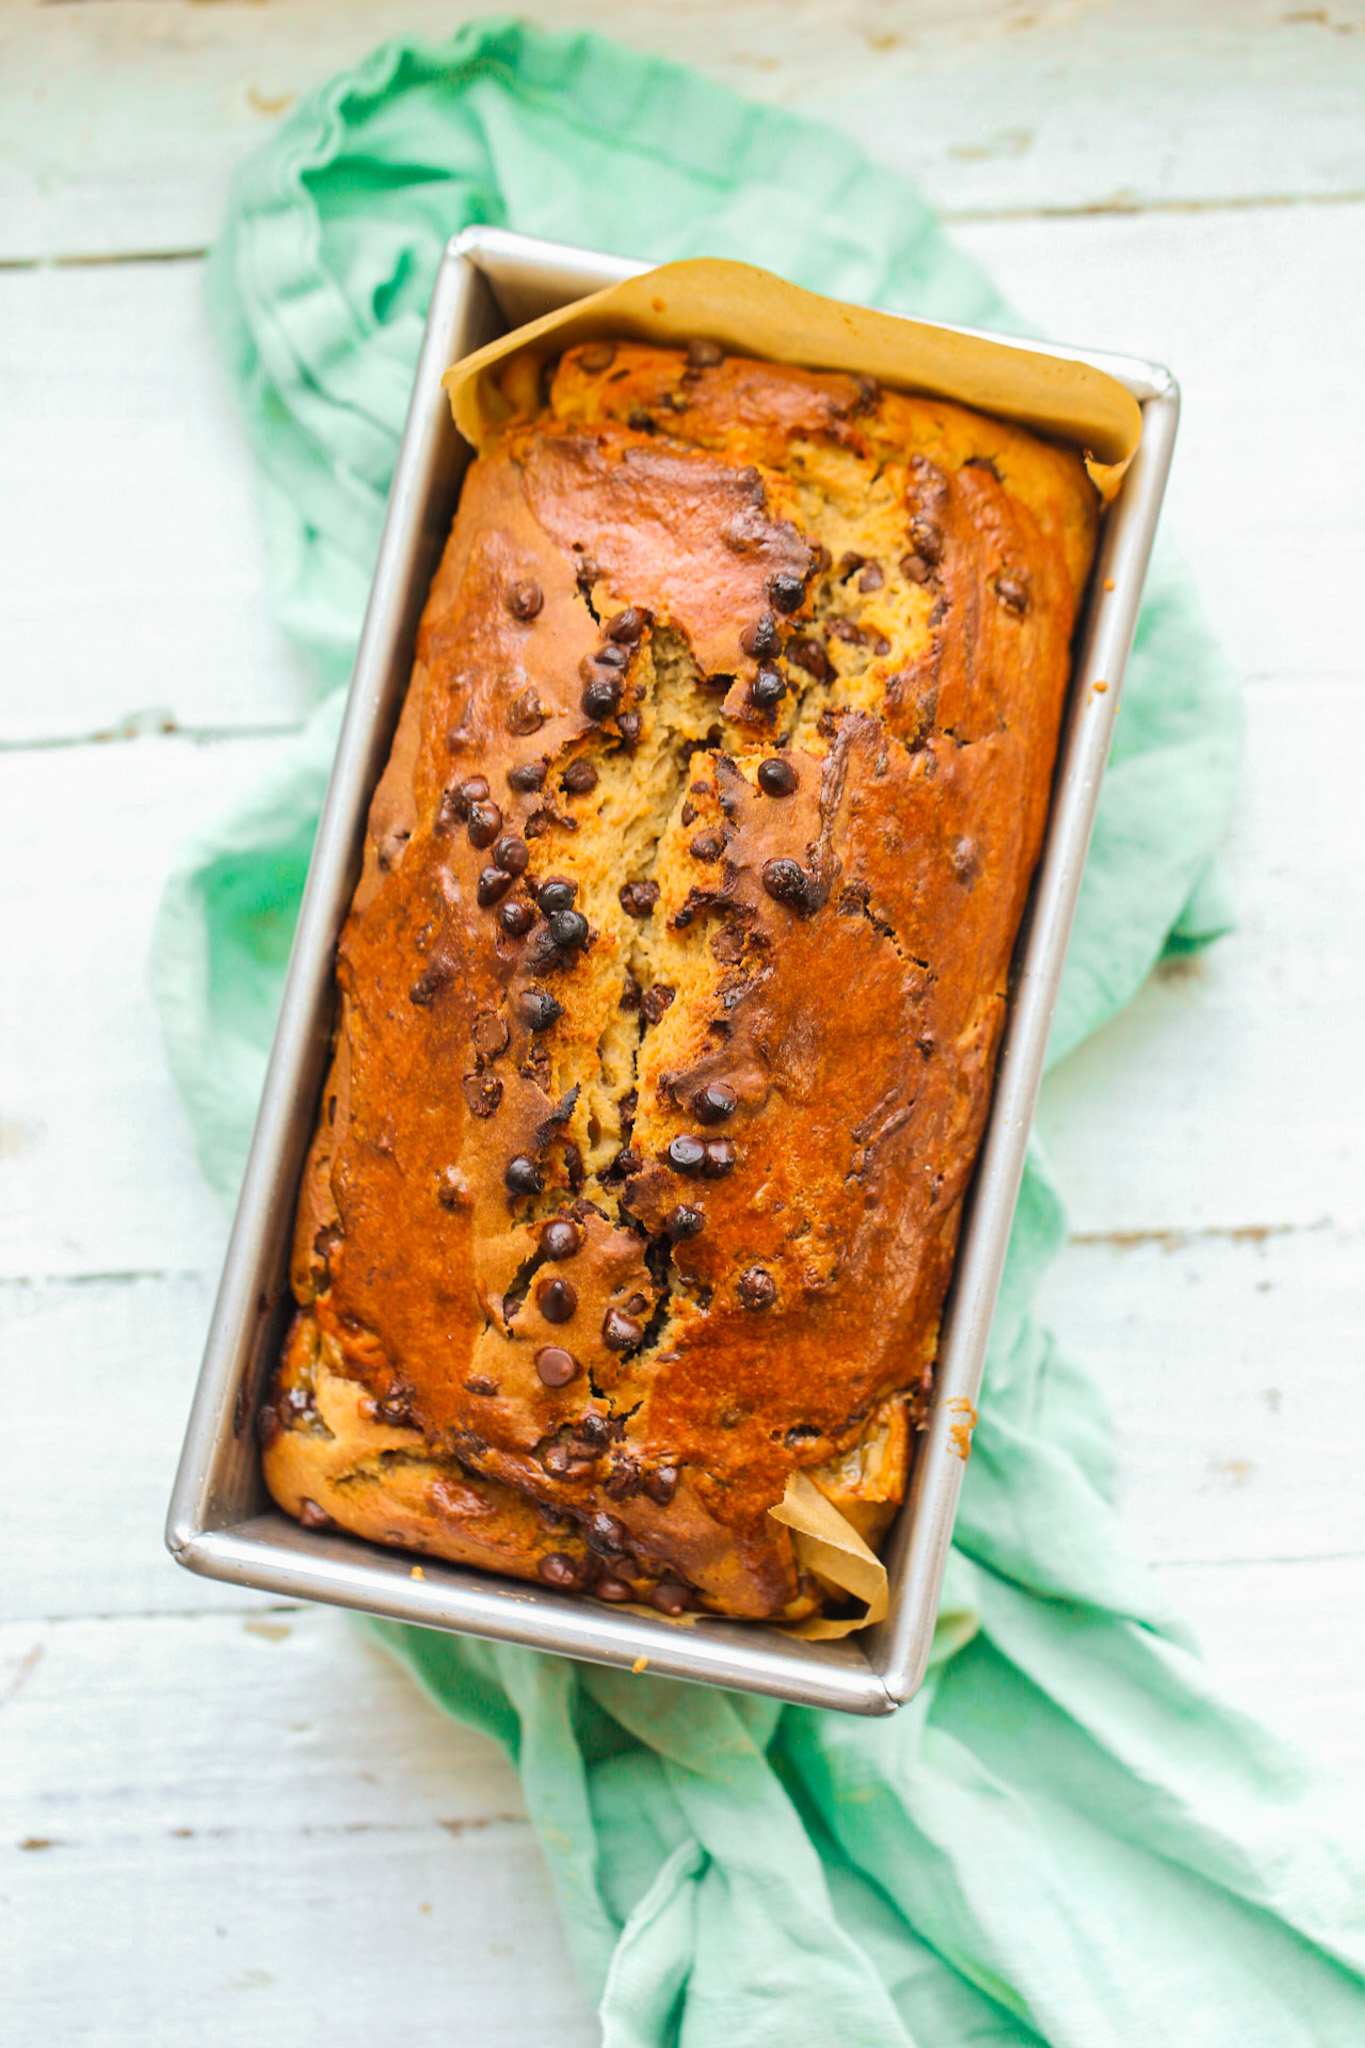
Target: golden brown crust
x=799, y=792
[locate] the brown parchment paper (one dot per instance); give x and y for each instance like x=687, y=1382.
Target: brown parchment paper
x=751, y=312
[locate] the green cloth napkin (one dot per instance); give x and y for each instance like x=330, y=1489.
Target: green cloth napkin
x=1067, y=1836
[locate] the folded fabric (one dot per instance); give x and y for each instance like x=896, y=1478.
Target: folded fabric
x=1067, y=1836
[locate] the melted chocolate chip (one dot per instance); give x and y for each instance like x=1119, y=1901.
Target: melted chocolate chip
x=713, y=1103
x=523, y=1176
x=757, y=1288
x=556, y=1366
x=601, y=697
x=1013, y=593
x=872, y=577
x=524, y=600
x=568, y=930
x=811, y=656
x=525, y=715
x=662, y=1483
x=686, y=1154
x=768, y=687
x=529, y=776
x=607, y=1535
x=620, y=1331
x=573, y=1166
x=849, y=564
x=478, y=1384
x=777, y=778
x=492, y=886
x=761, y=637
x=683, y=1223
x=556, y=893
x=433, y=977
x=314, y=1517
x=639, y=898
x=927, y=538
x=466, y=794
x=483, y=1093
x=558, y=1569
x=786, y=592
x=516, y=919
x=655, y=1001
x=269, y=1428
x=707, y=846
x=559, y=1238
x=579, y=778
x=597, y=357
x=721, y=1158
x=623, y=1478
x=915, y=569
x=786, y=881
x=630, y=998
x=451, y=1191
x=704, y=355
x=640, y=421
x=626, y=626
x=609, y=1587
x=670, y=1597
x=511, y=855
x=556, y=1299
x=630, y=725
x=490, y=1034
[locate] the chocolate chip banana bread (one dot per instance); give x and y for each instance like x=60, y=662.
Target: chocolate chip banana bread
x=672, y=986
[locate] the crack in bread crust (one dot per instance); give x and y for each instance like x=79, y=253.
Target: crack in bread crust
x=671, y=991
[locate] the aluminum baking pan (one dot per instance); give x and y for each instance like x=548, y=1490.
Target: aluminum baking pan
x=222, y=1522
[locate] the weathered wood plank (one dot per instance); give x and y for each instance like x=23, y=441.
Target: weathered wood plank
x=121, y=121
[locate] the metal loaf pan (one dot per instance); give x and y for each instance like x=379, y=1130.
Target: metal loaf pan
x=222, y=1522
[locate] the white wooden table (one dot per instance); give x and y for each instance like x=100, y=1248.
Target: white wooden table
x=231, y=1822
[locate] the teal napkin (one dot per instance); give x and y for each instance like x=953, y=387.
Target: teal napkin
x=1067, y=1837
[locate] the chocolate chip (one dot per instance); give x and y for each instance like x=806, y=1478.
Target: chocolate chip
x=630, y=725
x=626, y=626
x=625, y=1164
x=490, y=1034
x=786, y=592
x=451, y=1191
x=579, y=778
x=811, y=656
x=573, y=1166
x=483, y=1093
x=670, y=1597
x=639, y=898
x=601, y=697
x=655, y=1001
x=269, y=1428
x=493, y=885
x=593, y=1429
x=556, y=1366
x=640, y=421
x=713, y=1103
x=628, y=1105
x=607, y=1535
x=478, y=1384
x=757, y=1288
x=620, y=1331
x=524, y=600
x=623, y=1478
x=538, y=1010
x=768, y=687
x=558, y=1238
x=964, y=858
x=777, y=778
x=511, y=855
x=525, y=715
x=556, y=1299
x=1013, y=593
x=872, y=577
x=516, y=918
x=596, y=357
x=529, y=776
x=523, y=1176
x=786, y=881
x=569, y=930
x=686, y=1154
x=721, y=1158
x=556, y=893
x=704, y=355
x=609, y=1587
x=915, y=569
x=314, y=1517
x=433, y=977
x=707, y=846
x=928, y=539
x=610, y=655
x=689, y=813
x=467, y=793
x=630, y=997
x=683, y=1223
x=662, y=1483
x=761, y=637
x=849, y=564
x=557, y=1458
x=558, y=1569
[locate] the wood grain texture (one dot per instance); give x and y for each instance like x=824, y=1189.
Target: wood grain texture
x=121, y=120
x=233, y=1792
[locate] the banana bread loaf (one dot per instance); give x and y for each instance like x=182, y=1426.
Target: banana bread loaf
x=673, y=982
